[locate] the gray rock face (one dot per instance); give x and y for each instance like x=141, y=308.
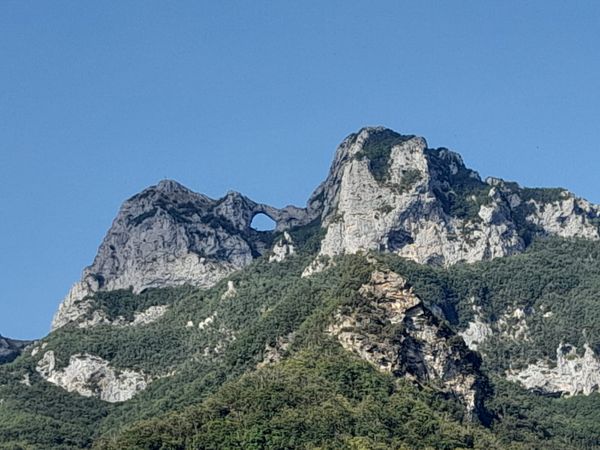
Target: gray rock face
x=394, y=331
x=572, y=374
x=167, y=236
x=10, y=349
x=91, y=376
x=476, y=333
x=282, y=248
x=389, y=192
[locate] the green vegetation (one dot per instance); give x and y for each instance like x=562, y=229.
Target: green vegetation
x=535, y=421
x=42, y=416
x=410, y=177
x=322, y=398
x=317, y=395
x=377, y=150
x=542, y=195
x=125, y=304
x=461, y=191
x=557, y=276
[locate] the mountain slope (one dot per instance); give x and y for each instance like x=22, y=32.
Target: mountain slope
x=409, y=305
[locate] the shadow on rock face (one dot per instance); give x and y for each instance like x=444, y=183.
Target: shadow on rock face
x=10, y=349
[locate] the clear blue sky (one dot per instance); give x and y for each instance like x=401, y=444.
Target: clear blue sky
x=101, y=99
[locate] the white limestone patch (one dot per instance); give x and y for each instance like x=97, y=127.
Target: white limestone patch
x=318, y=265
x=207, y=322
x=150, y=315
x=572, y=375
x=92, y=376
x=514, y=325
x=568, y=217
x=283, y=248
x=26, y=380
x=230, y=292
x=476, y=333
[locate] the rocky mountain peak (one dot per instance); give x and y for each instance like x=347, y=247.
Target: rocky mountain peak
x=390, y=192
x=168, y=235
x=167, y=185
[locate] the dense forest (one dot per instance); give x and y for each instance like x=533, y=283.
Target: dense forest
x=213, y=389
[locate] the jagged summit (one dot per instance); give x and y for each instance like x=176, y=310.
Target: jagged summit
x=168, y=185
x=390, y=192
x=385, y=192
x=168, y=235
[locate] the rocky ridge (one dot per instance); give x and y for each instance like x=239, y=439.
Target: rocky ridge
x=385, y=192
x=393, y=330
x=168, y=235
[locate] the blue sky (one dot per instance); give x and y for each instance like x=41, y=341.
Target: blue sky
x=101, y=99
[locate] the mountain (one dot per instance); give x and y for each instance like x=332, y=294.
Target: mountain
x=168, y=235
x=409, y=304
x=385, y=192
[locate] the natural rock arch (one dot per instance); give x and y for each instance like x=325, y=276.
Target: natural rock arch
x=262, y=222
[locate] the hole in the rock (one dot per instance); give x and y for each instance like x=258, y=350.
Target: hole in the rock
x=262, y=222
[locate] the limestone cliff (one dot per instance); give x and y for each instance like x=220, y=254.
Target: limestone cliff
x=167, y=236
x=91, y=376
x=392, y=329
x=389, y=192
x=571, y=374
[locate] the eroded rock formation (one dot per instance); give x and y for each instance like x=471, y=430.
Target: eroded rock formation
x=168, y=236
x=572, y=374
x=385, y=192
x=393, y=330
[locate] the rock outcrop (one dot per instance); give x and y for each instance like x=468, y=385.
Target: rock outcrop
x=230, y=292
x=389, y=192
x=168, y=236
x=476, y=333
x=10, y=349
x=91, y=376
x=394, y=331
x=571, y=375
x=282, y=248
